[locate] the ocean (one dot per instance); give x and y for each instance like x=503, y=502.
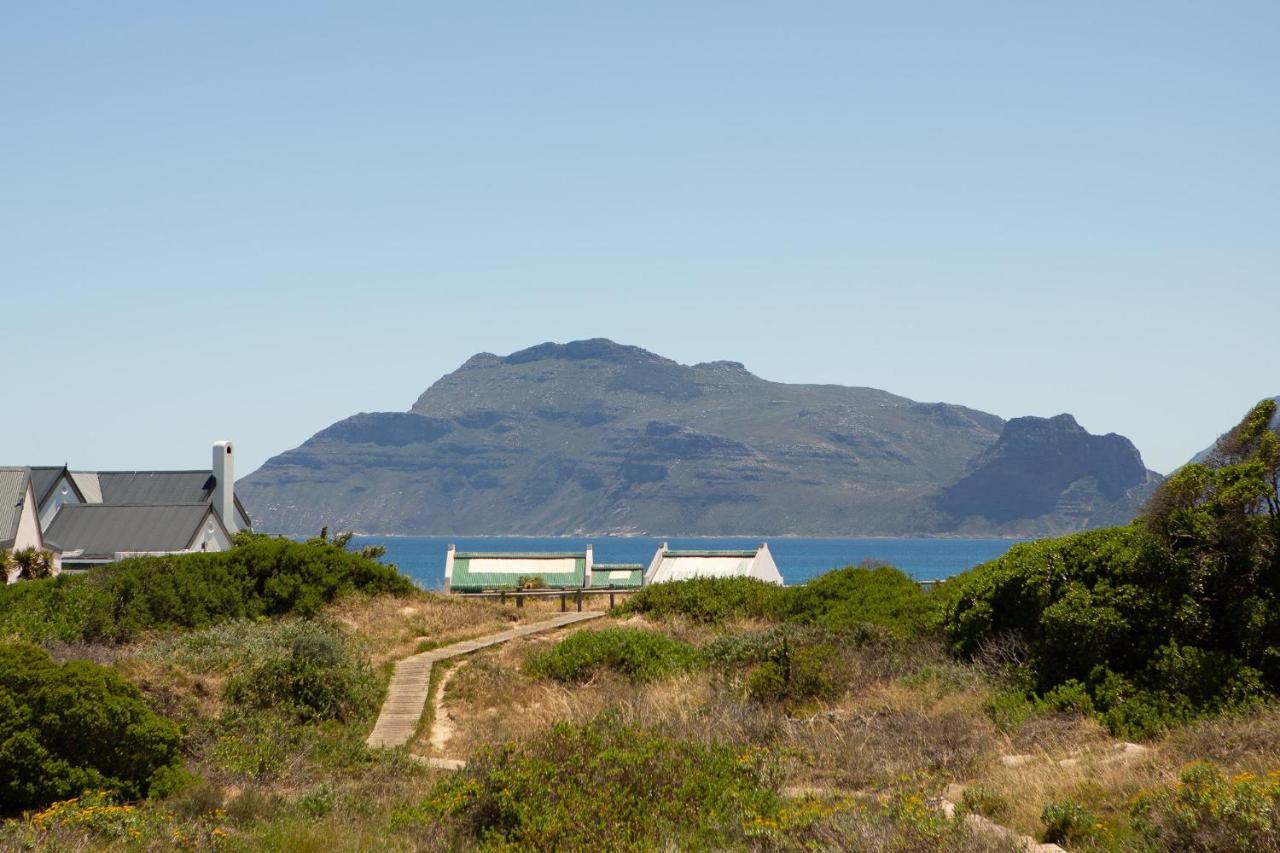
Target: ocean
x=422, y=557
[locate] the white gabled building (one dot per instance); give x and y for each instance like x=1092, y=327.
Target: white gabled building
x=669, y=565
x=19, y=516
x=93, y=517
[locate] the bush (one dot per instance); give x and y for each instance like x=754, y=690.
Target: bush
x=603, y=786
x=316, y=680
x=711, y=600
x=1068, y=822
x=1171, y=616
x=260, y=576
x=843, y=599
x=640, y=656
x=1206, y=811
x=68, y=728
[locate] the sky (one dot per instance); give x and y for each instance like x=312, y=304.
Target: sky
x=248, y=221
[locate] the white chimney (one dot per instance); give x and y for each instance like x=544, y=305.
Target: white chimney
x=224, y=485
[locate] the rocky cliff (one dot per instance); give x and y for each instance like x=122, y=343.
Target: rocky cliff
x=593, y=437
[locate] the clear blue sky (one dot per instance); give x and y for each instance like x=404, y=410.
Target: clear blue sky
x=228, y=220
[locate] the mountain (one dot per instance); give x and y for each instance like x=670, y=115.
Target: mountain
x=594, y=437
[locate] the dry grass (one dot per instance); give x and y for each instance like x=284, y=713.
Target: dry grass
x=394, y=627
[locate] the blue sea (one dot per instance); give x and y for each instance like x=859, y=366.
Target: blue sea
x=422, y=557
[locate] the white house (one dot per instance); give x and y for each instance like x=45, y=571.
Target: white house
x=95, y=517
x=19, y=515
x=669, y=565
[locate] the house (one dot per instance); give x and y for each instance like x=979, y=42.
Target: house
x=669, y=565
x=474, y=571
x=616, y=575
x=96, y=517
x=19, y=515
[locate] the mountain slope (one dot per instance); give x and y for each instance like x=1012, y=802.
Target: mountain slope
x=595, y=437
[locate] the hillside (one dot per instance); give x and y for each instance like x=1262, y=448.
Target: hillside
x=593, y=437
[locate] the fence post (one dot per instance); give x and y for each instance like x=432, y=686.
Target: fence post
x=610, y=599
x=519, y=600
x=578, y=595
x=503, y=596
x=563, y=606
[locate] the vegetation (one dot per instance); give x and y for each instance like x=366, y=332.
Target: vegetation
x=603, y=786
x=639, y=656
x=67, y=728
x=707, y=600
x=315, y=680
x=260, y=576
x=1206, y=811
x=1172, y=616
x=839, y=600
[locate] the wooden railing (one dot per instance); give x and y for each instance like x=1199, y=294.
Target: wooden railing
x=576, y=595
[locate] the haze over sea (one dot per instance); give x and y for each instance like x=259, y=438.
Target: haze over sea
x=422, y=557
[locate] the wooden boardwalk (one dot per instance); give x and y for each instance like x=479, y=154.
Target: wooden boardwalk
x=411, y=681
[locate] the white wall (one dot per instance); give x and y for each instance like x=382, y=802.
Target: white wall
x=28, y=535
x=210, y=537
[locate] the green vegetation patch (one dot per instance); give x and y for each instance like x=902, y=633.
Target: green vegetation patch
x=260, y=576
x=709, y=600
x=845, y=599
x=1208, y=811
x=315, y=680
x=67, y=728
x=640, y=656
x=839, y=600
x=1150, y=624
x=603, y=786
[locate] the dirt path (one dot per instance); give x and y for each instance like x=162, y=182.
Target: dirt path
x=411, y=681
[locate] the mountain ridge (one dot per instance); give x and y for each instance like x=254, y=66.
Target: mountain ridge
x=594, y=437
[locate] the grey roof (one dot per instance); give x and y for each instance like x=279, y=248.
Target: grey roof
x=13, y=491
x=43, y=478
x=155, y=488
x=89, y=486
x=104, y=530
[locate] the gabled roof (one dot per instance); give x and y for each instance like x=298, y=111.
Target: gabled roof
x=151, y=488
x=87, y=483
x=155, y=488
x=13, y=491
x=671, y=565
x=44, y=479
x=100, y=531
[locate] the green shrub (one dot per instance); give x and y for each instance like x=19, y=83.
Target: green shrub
x=316, y=680
x=843, y=599
x=640, y=656
x=260, y=576
x=318, y=801
x=68, y=728
x=1068, y=822
x=1206, y=811
x=711, y=600
x=1171, y=616
x=602, y=786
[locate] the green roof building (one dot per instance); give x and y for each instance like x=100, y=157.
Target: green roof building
x=617, y=575
x=476, y=571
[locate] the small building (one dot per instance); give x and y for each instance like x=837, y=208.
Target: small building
x=617, y=575
x=669, y=565
x=475, y=571
x=20, y=517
